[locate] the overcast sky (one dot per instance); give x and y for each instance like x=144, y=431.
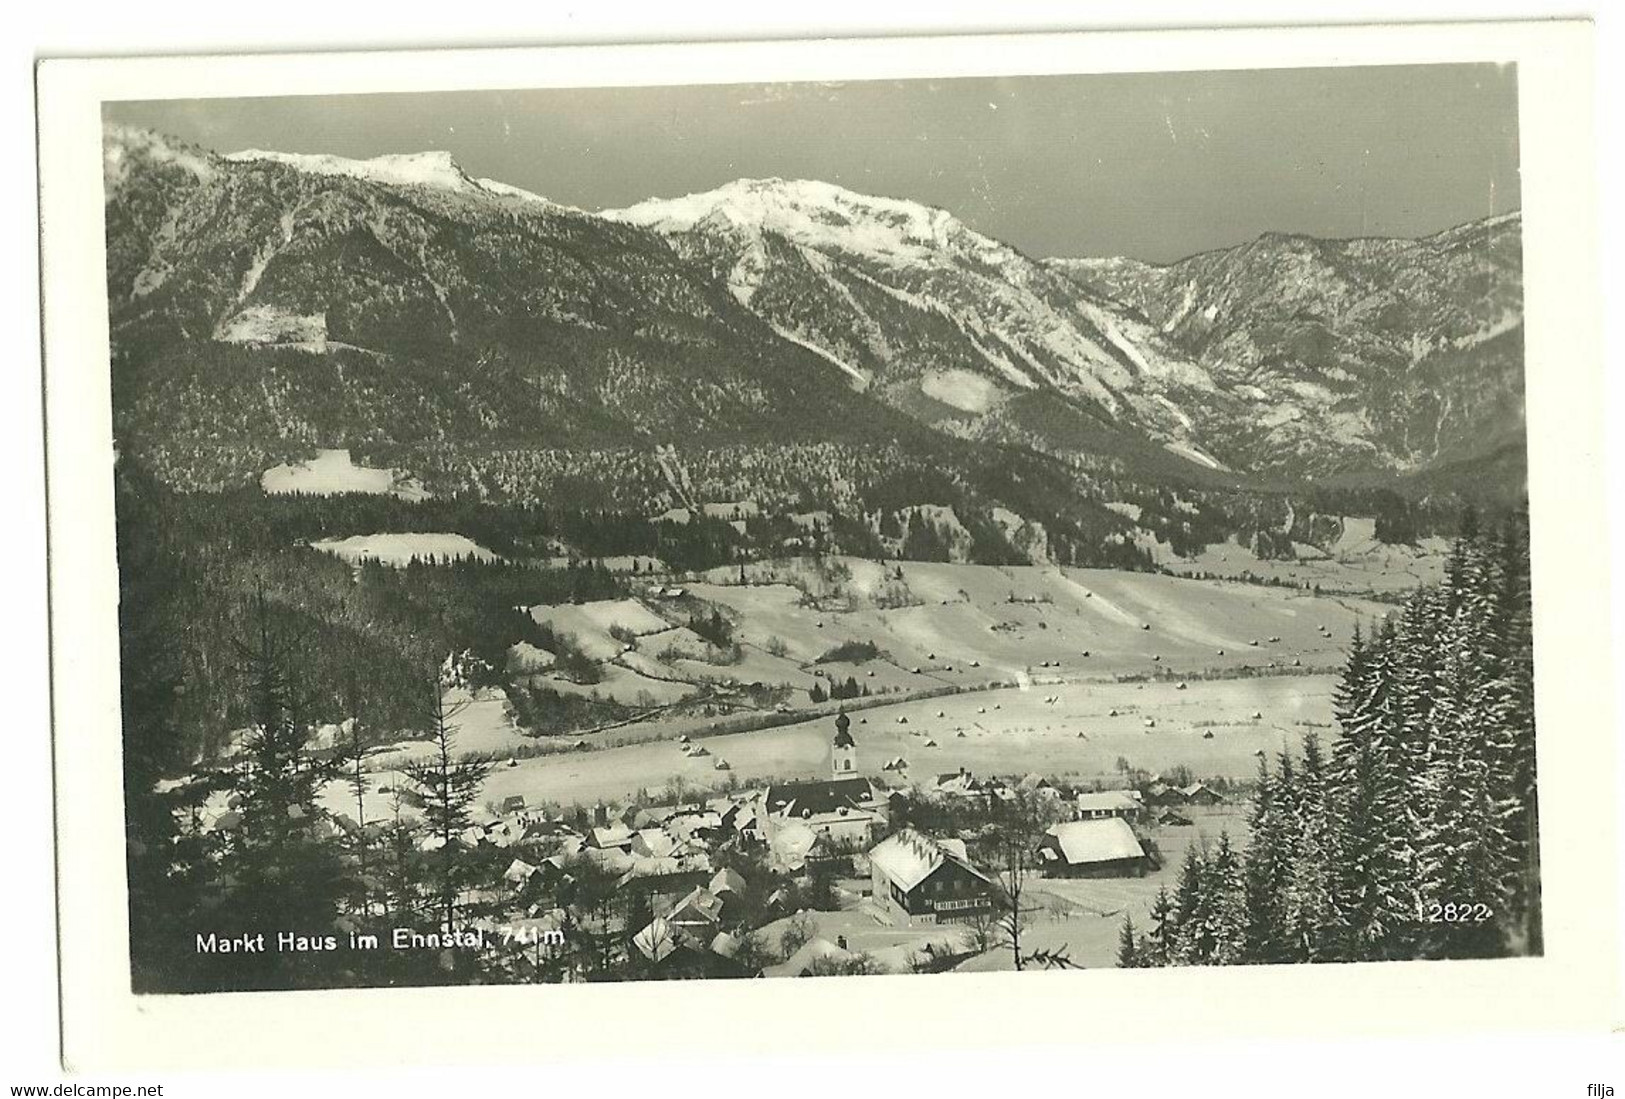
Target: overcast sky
x=1156, y=165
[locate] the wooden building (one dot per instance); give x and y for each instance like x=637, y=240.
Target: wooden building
x=920, y=881
x=1104, y=848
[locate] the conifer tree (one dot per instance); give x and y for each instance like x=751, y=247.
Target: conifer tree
x=1226, y=904
x=1190, y=943
x=1158, y=948
x=447, y=787
x=1264, y=873
x=1309, y=912
x=285, y=870
x=1128, y=947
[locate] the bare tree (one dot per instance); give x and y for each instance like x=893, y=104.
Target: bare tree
x=1009, y=846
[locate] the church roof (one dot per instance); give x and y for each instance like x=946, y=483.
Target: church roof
x=818, y=797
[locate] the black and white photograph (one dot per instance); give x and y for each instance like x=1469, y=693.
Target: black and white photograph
x=795, y=530
x=943, y=527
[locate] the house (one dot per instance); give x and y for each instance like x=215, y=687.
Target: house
x=790, y=845
x=698, y=911
x=958, y=784
x=612, y=837
x=1109, y=803
x=653, y=843
x=1102, y=848
x=806, y=962
x=920, y=881
x=725, y=881
x=1199, y=794
x=1160, y=794
x=513, y=804
x=519, y=871
x=672, y=951
x=545, y=830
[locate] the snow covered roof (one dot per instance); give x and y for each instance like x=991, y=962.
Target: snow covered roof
x=656, y=842
x=657, y=941
x=1087, y=841
x=797, y=964
x=907, y=858
x=727, y=880
x=700, y=905
x=1109, y=800
x=616, y=836
x=791, y=843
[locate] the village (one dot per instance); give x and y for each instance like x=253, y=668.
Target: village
x=836, y=875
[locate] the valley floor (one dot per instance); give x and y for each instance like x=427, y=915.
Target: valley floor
x=1069, y=674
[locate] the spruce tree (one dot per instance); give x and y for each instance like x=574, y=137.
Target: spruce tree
x=1128, y=947
x=447, y=787
x=1227, y=904
x=1263, y=872
x=1190, y=944
x=1309, y=911
x=1158, y=947
x=285, y=870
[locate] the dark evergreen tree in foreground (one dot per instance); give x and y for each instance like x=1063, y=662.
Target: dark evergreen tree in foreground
x=447, y=788
x=1415, y=837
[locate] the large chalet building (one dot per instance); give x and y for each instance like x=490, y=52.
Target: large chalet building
x=919, y=880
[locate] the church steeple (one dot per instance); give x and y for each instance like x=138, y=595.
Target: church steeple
x=843, y=751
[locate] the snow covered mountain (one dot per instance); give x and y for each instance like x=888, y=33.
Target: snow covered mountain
x=486, y=342
x=264, y=302
x=955, y=328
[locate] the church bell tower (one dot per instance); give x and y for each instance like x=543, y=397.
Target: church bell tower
x=843, y=751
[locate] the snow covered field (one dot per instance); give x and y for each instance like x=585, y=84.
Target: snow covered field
x=399, y=549
x=1009, y=731
x=1154, y=670
x=332, y=472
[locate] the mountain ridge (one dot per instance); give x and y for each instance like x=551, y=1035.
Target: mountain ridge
x=401, y=299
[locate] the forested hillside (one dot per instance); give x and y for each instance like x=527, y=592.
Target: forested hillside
x=1415, y=836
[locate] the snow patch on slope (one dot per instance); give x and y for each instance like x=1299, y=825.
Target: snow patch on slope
x=861, y=377
x=265, y=324
x=960, y=389
x=123, y=145
x=1195, y=454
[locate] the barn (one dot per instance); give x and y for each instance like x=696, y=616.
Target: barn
x=1104, y=848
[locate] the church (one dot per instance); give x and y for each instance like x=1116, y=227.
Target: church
x=845, y=806
x=844, y=787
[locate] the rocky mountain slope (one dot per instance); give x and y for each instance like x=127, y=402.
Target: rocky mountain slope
x=1365, y=354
